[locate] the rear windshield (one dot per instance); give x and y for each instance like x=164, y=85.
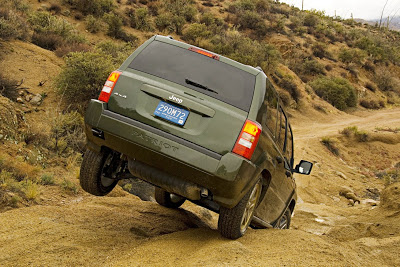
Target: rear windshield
x=198, y=72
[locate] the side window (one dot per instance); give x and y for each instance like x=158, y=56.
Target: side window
x=289, y=146
x=282, y=130
x=271, y=100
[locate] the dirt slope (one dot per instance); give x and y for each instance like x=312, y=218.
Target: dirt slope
x=124, y=231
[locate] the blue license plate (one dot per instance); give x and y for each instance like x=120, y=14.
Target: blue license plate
x=171, y=113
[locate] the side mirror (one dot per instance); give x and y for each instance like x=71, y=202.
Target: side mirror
x=304, y=167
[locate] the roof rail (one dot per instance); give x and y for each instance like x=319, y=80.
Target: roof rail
x=259, y=68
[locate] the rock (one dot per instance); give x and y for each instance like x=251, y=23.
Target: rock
x=341, y=175
x=20, y=100
x=348, y=193
x=36, y=100
x=370, y=202
x=1, y=136
x=21, y=92
x=28, y=97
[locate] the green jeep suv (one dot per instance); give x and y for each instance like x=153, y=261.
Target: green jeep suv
x=198, y=126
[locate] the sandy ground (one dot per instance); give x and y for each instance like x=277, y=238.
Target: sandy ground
x=124, y=231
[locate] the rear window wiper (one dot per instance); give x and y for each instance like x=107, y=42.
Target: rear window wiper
x=200, y=86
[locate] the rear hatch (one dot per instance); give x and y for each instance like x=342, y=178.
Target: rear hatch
x=186, y=92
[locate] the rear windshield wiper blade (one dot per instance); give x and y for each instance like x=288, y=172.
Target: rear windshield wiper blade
x=200, y=86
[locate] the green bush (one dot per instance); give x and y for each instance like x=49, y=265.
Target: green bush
x=142, y=20
x=310, y=20
x=47, y=179
x=233, y=45
x=118, y=52
x=195, y=31
x=51, y=31
x=114, y=23
x=92, y=7
x=207, y=18
x=164, y=22
x=242, y=5
x=12, y=25
x=355, y=56
x=337, y=91
x=321, y=50
x=249, y=20
x=93, y=25
x=177, y=23
x=83, y=76
x=312, y=67
x=181, y=8
x=386, y=82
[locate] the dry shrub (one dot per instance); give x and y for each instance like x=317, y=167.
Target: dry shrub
x=330, y=143
x=92, y=7
x=12, y=24
x=391, y=139
x=370, y=86
x=49, y=41
x=55, y=8
x=11, y=119
x=360, y=136
x=19, y=169
x=372, y=104
x=65, y=49
x=69, y=186
x=9, y=87
x=386, y=81
x=67, y=133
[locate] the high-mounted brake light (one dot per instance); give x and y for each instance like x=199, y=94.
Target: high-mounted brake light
x=248, y=139
x=204, y=53
x=109, y=86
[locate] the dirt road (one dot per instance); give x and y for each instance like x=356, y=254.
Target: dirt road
x=125, y=231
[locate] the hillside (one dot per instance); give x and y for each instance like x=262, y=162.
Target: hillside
x=338, y=80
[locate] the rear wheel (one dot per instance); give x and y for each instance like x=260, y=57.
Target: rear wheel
x=97, y=171
x=167, y=199
x=284, y=221
x=233, y=223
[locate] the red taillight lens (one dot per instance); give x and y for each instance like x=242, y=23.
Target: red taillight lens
x=248, y=139
x=204, y=53
x=109, y=86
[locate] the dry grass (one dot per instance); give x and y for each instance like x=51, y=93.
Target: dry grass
x=360, y=136
x=331, y=144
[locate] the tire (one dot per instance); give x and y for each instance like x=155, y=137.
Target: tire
x=233, y=223
x=94, y=171
x=167, y=199
x=284, y=221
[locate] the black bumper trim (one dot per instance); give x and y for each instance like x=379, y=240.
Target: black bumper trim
x=163, y=134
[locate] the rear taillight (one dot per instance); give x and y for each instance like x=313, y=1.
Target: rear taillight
x=204, y=53
x=248, y=139
x=109, y=86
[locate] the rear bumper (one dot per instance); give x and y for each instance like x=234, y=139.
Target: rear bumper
x=228, y=177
